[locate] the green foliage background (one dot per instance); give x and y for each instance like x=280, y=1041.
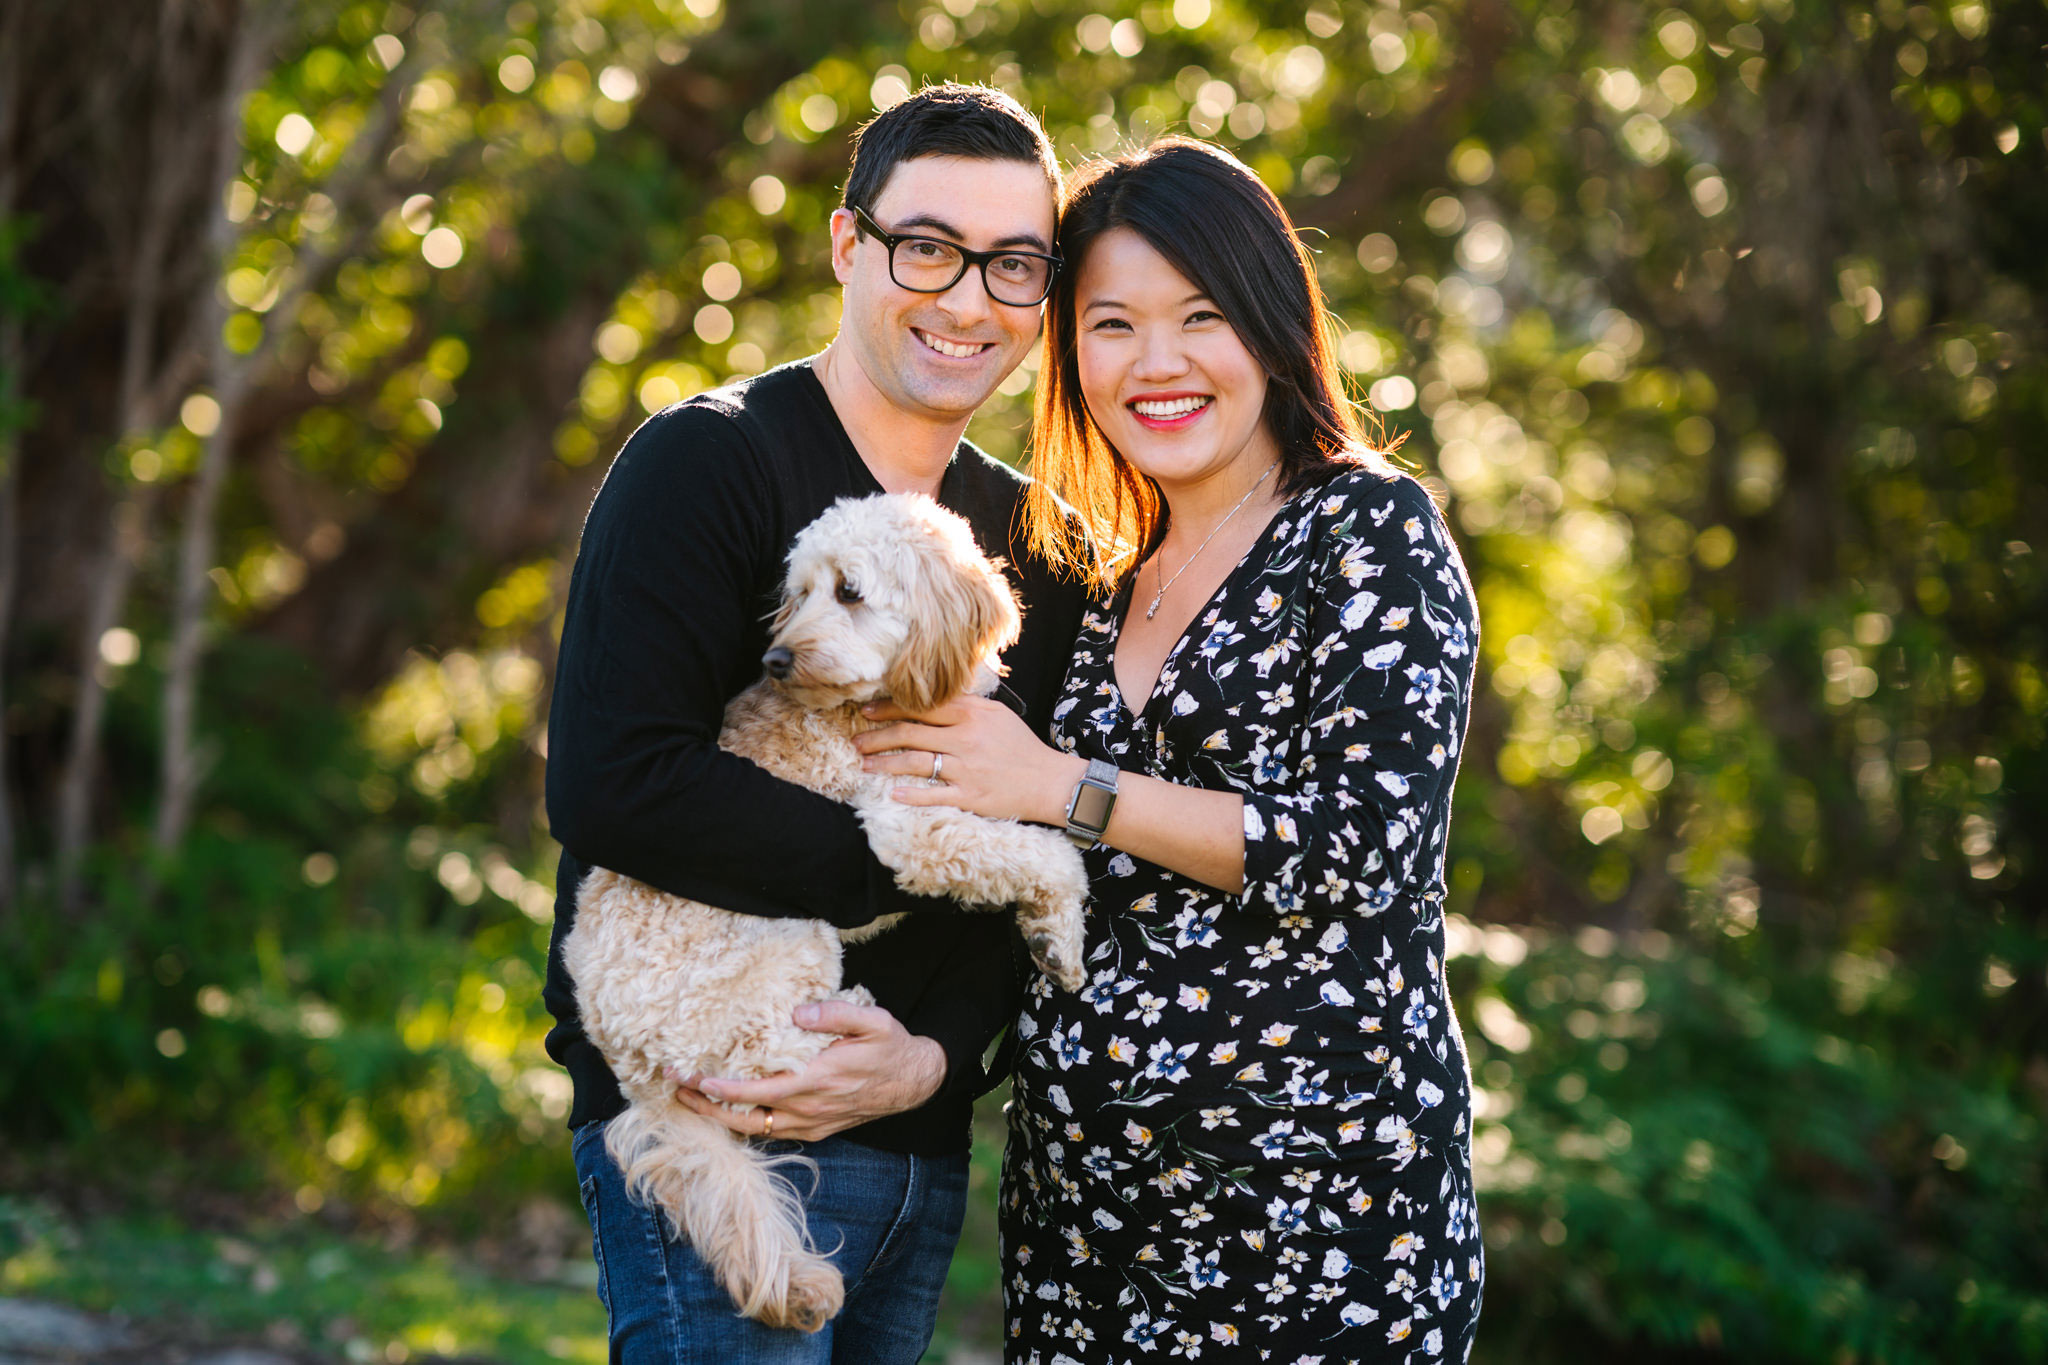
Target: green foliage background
x=1719, y=326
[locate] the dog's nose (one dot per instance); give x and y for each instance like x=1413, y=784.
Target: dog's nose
x=778, y=661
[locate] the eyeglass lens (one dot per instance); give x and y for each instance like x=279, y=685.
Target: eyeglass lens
x=932, y=267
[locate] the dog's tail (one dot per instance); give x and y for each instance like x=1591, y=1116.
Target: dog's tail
x=729, y=1200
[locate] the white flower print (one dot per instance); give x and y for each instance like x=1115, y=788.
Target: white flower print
x=1400, y=1140
x=1273, y=1142
x=1384, y=656
x=1287, y=1216
x=1276, y=1289
x=1166, y=1062
x=1358, y=610
x=1249, y=1099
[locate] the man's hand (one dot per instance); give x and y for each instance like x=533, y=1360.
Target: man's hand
x=873, y=1069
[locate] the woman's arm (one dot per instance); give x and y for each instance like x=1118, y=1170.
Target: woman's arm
x=995, y=766
x=1389, y=627
x=1378, y=753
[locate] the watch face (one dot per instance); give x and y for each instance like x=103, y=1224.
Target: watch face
x=1091, y=806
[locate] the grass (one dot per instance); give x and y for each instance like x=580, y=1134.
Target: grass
x=298, y=1285
x=302, y=1285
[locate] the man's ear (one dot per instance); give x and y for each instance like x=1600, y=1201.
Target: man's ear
x=845, y=238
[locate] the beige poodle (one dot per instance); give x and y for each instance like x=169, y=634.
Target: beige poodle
x=885, y=595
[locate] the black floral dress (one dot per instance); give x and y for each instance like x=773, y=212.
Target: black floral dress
x=1249, y=1137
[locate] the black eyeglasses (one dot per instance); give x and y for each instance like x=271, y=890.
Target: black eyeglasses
x=932, y=265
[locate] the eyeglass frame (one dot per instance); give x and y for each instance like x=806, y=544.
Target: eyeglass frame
x=863, y=222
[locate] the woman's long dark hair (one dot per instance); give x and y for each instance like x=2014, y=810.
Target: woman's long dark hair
x=1217, y=224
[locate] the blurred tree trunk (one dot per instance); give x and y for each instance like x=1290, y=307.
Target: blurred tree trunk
x=178, y=158
x=184, y=761
x=183, y=764
x=11, y=26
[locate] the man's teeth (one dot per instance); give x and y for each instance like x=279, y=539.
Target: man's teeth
x=1178, y=407
x=948, y=348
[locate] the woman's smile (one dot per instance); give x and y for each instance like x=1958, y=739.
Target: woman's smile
x=1170, y=412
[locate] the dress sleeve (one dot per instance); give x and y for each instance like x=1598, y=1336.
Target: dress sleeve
x=1389, y=632
x=663, y=607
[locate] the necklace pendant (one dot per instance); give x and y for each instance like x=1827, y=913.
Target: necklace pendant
x=1153, y=610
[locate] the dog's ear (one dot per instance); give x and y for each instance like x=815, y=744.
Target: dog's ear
x=964, y=612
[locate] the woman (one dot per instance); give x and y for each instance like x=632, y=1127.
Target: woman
x=1252, y=1128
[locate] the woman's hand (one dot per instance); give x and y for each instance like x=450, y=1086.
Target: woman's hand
x=991, y=763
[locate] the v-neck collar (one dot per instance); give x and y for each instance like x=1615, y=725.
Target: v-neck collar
x=858, y=467
x=1122, y=606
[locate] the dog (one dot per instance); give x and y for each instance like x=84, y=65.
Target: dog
x=884, y=595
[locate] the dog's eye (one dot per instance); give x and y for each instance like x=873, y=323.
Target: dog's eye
x=847, y=593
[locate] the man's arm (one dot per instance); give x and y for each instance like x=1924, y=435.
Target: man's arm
x=661, y=630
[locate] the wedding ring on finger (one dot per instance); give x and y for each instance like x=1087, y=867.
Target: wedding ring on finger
x=767, y=1123
x=938, y=762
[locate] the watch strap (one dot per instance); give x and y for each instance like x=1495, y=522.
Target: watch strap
x=1088, y=809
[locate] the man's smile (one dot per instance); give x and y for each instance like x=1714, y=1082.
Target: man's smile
x=956, y=350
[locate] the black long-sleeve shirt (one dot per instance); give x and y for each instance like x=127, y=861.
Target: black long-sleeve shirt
x=680, y=565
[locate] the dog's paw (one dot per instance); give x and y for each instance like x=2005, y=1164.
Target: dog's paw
x=1062, y=968
x=1056, y=946
x=816, y=1293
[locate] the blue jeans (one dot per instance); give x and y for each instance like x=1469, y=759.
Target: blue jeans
x=894, y=1219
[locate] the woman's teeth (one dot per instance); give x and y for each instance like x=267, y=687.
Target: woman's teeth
x=948, y=348
x=1178, y=407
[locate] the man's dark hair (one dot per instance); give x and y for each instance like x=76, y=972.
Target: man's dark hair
x=946, y=120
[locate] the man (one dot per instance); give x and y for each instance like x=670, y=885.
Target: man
x=679, y=566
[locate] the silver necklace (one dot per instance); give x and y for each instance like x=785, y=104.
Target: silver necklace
x=1153, y=610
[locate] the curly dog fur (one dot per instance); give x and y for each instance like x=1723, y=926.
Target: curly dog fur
x=886, y=595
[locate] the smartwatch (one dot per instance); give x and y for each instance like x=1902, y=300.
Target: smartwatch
x=1089, y=807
